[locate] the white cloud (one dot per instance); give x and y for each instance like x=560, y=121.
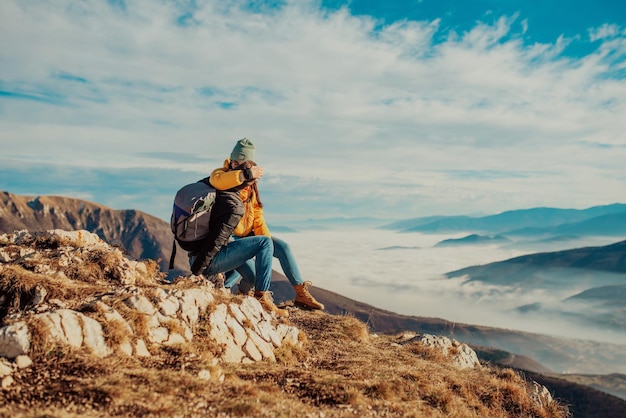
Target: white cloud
x=327, y=96
x=604, y=31
x=410, y=281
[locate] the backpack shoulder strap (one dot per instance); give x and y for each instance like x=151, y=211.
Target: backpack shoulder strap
x=173, y=255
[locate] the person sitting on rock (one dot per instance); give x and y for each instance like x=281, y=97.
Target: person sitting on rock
x=215, y=254
x=240, y=170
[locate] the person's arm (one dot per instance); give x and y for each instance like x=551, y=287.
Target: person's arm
x=225, y=179
x=225, y=215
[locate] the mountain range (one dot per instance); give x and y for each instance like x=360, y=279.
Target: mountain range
x=473, y=239
x=599, y=220
x=145, y=236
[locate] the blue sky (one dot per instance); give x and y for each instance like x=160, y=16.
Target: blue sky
x=385, y=109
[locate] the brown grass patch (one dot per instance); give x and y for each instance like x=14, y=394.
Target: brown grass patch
x=40, y=344
x=340, y=371
x=174, y=326
x=115, y=332
x=17, y=287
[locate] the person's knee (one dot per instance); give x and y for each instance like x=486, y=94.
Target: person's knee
x=281, y=248
x=280, y=244
x=265, y=242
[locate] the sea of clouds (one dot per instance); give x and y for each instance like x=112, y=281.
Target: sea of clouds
x=404, y=273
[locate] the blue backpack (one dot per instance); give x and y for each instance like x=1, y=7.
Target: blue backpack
x=191, y=214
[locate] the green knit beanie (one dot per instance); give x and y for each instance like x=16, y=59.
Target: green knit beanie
x=243, y=151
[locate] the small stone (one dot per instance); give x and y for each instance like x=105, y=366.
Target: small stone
x=5, y=368
x=204, y=374
x=7, y=381
x=23, y=362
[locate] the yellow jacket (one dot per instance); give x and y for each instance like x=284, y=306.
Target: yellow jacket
x=253, y=221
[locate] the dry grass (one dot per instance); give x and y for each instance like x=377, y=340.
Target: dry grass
x=115, y=332
x=74, y=284
x=341, y=371
x=40, y=344
x=138, y=321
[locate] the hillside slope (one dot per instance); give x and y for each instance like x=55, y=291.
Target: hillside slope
x=554, y=353
x=87, y=332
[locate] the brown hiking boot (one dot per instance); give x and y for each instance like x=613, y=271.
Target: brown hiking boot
x=265, y=298
x=304, y=299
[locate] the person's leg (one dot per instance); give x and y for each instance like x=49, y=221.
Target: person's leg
x=282, y=251
x=246, y=271
x=236, y=253
x=247, y=275
x=230, y=278
x=304, y=298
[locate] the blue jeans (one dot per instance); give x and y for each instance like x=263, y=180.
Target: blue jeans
x=238, y=254
x=282, y=251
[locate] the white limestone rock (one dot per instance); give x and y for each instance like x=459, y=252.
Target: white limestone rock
x=14, y=340
x=252, y=350
x=236, y=330
x=141, y=304
x=169, y=305
x=204, y=374
x=540, y=395
x=461, y=354
x=140, y=348
x=94, y=337
x=246, y=332
x=7, y=381
x=289, y=335
x=265, y=348
x=6, y=368
x=235, y=311
x=193, y=301
x=23, y=361
x=76, y=330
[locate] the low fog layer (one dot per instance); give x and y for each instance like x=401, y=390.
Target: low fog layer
x=404, y=273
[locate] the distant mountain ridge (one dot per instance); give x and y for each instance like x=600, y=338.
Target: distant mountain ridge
x=473, y=239
x=611, y=258
x=514, y=220
x=612, y=224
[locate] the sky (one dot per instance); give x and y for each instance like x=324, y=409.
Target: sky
x=358, y=108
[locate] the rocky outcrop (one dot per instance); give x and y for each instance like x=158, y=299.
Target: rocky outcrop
x=74, y=290
x=461, y=354
x=464, y=357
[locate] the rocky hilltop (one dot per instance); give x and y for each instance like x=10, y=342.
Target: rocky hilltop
x=144, y=236
x=87, y=331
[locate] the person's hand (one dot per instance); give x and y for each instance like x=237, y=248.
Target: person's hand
x=257, y=172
